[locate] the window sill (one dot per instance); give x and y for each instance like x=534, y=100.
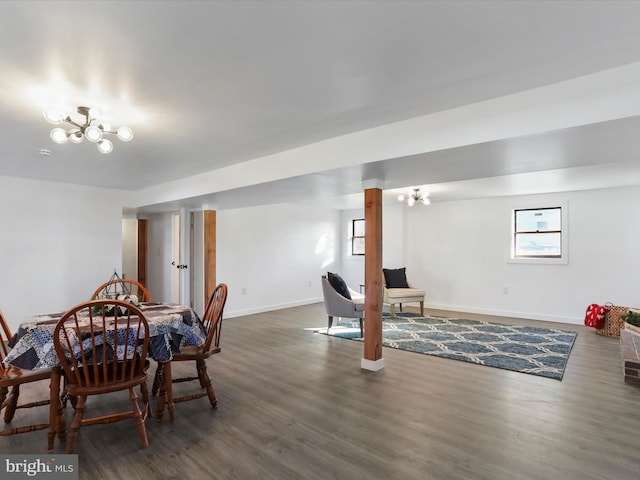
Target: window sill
x=539, y=261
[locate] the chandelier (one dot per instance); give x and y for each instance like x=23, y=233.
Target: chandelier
x=90, y=128
x=415, y=197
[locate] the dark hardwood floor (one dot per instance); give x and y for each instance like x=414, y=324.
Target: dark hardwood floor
x=296, y=405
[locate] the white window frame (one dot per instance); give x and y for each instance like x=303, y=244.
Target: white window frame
x=564, y=235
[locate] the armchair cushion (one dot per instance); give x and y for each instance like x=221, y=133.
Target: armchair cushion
x=339, y=284
x=395, y=278
x=402, y=295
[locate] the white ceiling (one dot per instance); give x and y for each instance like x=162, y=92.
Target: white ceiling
x=208, y=84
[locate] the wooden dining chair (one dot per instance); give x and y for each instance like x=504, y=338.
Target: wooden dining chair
x=122, y=286
x=13, y=378
x=163, y=381
x=102, y=346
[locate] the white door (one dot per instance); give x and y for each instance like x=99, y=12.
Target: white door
x=175, y=258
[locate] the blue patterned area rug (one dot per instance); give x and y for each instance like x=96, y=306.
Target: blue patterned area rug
x=533, y=350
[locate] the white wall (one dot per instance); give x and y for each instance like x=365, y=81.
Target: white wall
x=276, y=255
x=458, y=252
x=58, y=243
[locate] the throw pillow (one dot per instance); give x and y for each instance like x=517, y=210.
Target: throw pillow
x=339, y=284
x=395, y=278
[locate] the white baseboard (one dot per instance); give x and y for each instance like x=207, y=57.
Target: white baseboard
x=454, y=308
x=507, y=313
x=271, y=308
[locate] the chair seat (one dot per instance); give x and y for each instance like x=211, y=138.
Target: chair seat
x=357, y=297
x=404, y=293
x=15, y=376
x=106, y=386
x=192, y=352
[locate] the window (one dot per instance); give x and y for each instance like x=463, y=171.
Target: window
x=357, y=237
x=537, y=233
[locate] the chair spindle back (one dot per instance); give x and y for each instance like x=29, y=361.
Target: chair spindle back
x=122, y=286
x=101, y=342
x=212, y=318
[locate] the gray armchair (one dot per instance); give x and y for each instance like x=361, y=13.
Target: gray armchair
x=336, y=305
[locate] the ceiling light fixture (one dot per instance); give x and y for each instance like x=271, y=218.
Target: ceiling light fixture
x=415, y=197
x=91, y=129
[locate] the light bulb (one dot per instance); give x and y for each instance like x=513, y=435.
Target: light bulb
x=93, y=134
x=125, y=134
x=58, y=135
x=401, y=198
x=426, y=201
x=411, y=201
x=53, y=116
x=105, y=146
x=75, y=136
x=94, y=113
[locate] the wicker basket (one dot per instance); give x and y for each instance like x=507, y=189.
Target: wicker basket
x=612, y=321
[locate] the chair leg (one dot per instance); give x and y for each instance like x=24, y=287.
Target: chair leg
x=144, y=390
x=75, y=423
x=61, y=423
x=157, y=379
x=139, y=417
x=330, y=323
x=202, y=375
x=167, y=386
x=11, y=403
x=400, y=307
x=55, y=408
x=165, y=389
x=393, y=310
x=208, y=384
x=3, y=395
x=422, y=308
x=361, y=330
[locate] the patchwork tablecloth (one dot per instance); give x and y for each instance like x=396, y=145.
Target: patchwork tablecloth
x=171, y=326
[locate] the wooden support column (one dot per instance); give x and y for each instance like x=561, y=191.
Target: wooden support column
x=142, y=251
x=209, y=253
x=373, y=280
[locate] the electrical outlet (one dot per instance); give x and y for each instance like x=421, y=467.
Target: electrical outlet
x=505, y=290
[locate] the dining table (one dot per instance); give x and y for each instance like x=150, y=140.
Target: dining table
x=171, y=326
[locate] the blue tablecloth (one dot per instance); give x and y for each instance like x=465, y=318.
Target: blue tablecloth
x=171, y=327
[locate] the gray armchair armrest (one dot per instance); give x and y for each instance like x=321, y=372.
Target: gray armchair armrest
x=338, y=306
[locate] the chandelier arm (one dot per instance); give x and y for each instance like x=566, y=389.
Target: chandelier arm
x=68, y=120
